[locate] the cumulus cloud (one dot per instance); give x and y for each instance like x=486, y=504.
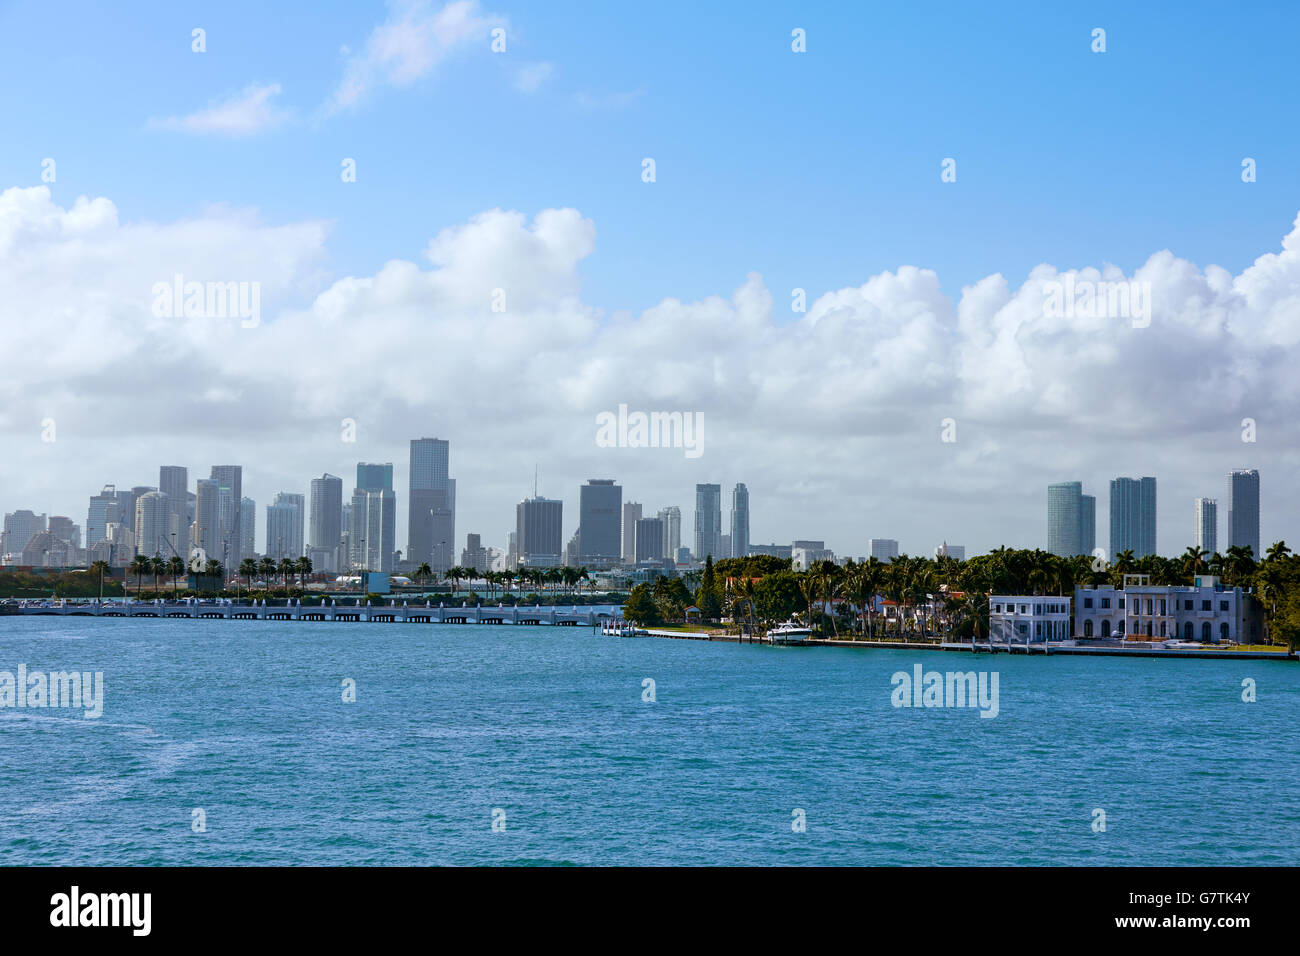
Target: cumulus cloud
x=832, y=417
x=415, y=37
x=248, y=112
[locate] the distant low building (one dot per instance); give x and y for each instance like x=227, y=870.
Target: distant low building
x=1028, y=618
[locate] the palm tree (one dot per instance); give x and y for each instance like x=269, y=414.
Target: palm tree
x=422, y=573
x=808, y=588
x=158, y=567
x=248, y=568
x=175, y=568
x=266, y=568
x=1277, y=551
x=140, y=566
x=1193, y=560
x=286, y=567
x=214, y=569
x=304, y=567
x=101, y=568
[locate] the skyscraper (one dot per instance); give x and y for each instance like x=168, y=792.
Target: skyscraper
x=247, y=528
x=600, y=506
x=739, y=521
x=1133, y=516
x=206, y=536
x=1071, y=519
x=672, y=519
x=1243, y=510
x=631, y=515
x=326, y=524
x=153, y=524
x=231, y=535
x=284, y=527
x=431, y=514
x=538, y=532
x=372, y=533
x=649, y=539
x=708, y=521
x=882, y=549
x=173, y=481
x=1207, y=525
x=103, y=511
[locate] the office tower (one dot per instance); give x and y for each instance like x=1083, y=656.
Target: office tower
x=724, y=545
x=247, y=528
x=376, y=477
x=672, y=519
x=1206, y=528
x=126, y=507
x=431, y=514
x=64, y=530
x=649, y=544
x=1088, y=522
x=571, y=555
x=774, y=550
x=631, y=515
x=882, y=549
x=708, y=521
x=326, y=524
x=512, y=550
x=1133, y=516
x=206, y=536
x=739, y=521
x=173, y=481
x=284, y=527
x=19, y=528
x=103, y=510
x=1243, y=510
x=372, y=535
x=538, y=533
x=600, y=532
x=230, y=478
x=955, y=551
x=153, y=513
x=475, y=555
x=808, y=544
x=1071, y=520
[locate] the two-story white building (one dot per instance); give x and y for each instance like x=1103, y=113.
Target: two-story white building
x=1028, y=618
x=1206, y=611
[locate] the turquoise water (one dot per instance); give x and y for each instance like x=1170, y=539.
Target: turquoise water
x=245, y=720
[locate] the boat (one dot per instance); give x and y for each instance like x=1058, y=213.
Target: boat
x=789, y=633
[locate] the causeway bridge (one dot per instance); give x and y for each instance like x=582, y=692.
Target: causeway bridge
x=392, y=612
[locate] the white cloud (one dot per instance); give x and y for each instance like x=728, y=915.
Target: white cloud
x=530, y=77
x=416, y=36
x=832, y=417
x=244, y=114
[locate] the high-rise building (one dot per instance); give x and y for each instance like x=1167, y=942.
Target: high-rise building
x=739, y=521
x=325, y=527
x=230, y=478
x=205, y=538
x=1071, y=519
x=1243, y=510
x=1133, y=516
x=475, y=555
x=103, y=510
x=882, y=549
x=1207, y=525
x=372, y=536
x=431, y=516
x=19, y=528
x=955, y=551
x=173, y=481
x=631, y=515
x=376, y=477
x=64, y=530
x=153, y=524
x=284, y=527
x=538, y=532
x=649, y=543
x=247, y=528
x=600, y=506
x=708, y=521
x=672, y=519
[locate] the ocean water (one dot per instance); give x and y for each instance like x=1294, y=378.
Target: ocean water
x=546, y=728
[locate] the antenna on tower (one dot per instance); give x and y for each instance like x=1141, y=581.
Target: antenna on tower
x=534, y=481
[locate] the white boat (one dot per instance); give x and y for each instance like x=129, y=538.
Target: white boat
x=789, y=633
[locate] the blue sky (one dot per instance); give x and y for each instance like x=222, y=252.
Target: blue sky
x=816, y=170
x=812, y=169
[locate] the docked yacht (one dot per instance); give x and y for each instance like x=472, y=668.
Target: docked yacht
x=789, y=633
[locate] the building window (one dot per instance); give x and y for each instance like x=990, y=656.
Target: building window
x=1205, y=605
x=1121, y=603
x=1223, y=631
x=1105, y=602
x=1187, y=631
x=1223, y=606
x=1121, y=627
x=1105, y=627
x=1087, y=602
x=1162, y=606
x=1087, y=628
x=1187, y=605
x=1205, y=630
